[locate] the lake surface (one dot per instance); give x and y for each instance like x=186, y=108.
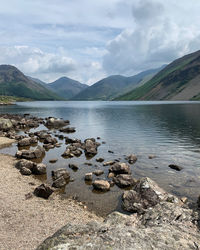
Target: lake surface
x=168, y=130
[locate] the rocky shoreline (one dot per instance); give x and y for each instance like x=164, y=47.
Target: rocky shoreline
x=153, y=209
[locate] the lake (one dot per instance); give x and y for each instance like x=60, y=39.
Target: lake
x=168, y=130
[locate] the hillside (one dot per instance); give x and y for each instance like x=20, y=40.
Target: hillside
x=112, y=86
x=180, y=80
x=66, y=87
x=14, y=83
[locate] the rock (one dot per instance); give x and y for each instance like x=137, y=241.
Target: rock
x=111, y=152
x=27, y=141
x=59, y=182
x=111, y=175
x=88, y=177
x=48, y=146
x=5, y=124
x=43, y=191
x=68, y=130
x=108, y=163
x=73, y=166
x=101, y=185
x=31, y=154
x=175, y=167
x=146, y=193
x=72, y=151
x=60, y=172
x=90, y=147
x=25, y=171
x=124, y=180
x=50, y=140
x=98, y=172
x=100, y=159
x=131, y=158
x=55, y=123
x=98, y=138
x=39, y=169
x=53, y=160
x=198, y=201
x=120, y=168
x=25, y=164
x=70, y=140
x=184, y=199
x=152, y=156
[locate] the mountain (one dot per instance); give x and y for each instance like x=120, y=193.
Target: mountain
x=37, y=80
x=180, y=80
x=112, y=86
x=66, y=87
x=14, y=83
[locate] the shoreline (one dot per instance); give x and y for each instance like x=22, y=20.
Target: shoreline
x=27, y=220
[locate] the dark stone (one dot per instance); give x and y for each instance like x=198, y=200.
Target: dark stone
x=100, y=159
x=120, y=168
x=73, y=166
x=175, y=167
x=43, y=191
x=124, y=180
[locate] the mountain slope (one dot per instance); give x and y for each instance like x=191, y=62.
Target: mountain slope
x=14, y=83
x=112, y=86
x=180, y=80
x=66, y=87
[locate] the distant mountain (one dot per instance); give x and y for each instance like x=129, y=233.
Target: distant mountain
x=180, y=80
x=113, y=86
x=66, y=87
x=37, y=80
x=14, y=83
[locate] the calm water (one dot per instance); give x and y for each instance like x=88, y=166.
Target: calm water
x=169, y=130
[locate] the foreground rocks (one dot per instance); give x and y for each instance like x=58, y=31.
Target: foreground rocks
x=60, y=177
x=43, y=191
x=167, y=226
x=31, y=154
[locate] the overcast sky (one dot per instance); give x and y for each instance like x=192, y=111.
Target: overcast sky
x=91, y=39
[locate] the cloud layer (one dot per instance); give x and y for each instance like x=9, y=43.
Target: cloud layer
x=88, y=40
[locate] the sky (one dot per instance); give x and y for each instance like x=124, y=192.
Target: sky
x=88, y=40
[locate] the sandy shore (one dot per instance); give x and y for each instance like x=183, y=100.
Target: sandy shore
x=26, y=222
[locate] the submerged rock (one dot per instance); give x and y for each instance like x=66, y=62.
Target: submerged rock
x=60, y=177
x=131, y=158
x=98, y=172
x=175, y=167
x=31, y=154
x=88, y=177
x=39, y=169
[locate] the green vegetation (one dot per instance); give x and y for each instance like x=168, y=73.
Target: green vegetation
x=12, y=99
x=169, y=81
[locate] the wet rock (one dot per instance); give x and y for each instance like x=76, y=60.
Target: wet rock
x=110, y=151
x=98, y=172
x=184, y=199
x=88, y=177
x=43, y=191
x=53, y=160
x=175, y=167
x=124, y=180
x=73, y=166
x=100, y=159
x=72, y=151
x=48, y=146
x=25, y=171
x=101, y=185
x=98, y=138
x=59, y=183
x=146, y=193
x=131, y=158
x=61, y=137
x=5, y=124
x=108, y=163
x=88, y=163
x=70, y=140
x=68, y=130
x=31, y=154
x=120, y=168
x=152, y=156
x=39, y=169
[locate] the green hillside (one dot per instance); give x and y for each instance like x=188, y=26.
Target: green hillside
x=180, y=80
x=14, y=83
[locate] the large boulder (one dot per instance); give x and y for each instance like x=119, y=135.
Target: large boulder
x=25, y=164
x=145, y=193
x=120, y=168
x=5, y=124
x=43, y=191
x=39, y=169
x=124, y=180
x=90, y=147
x=166, y=226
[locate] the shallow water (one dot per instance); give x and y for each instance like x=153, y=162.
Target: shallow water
x=169, y=130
